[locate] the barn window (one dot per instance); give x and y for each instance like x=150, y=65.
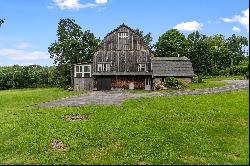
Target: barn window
x=123, y=35
x=82, y=70
x=103, y=67
x=123, y=43
x=141, y=67
x=99, y=67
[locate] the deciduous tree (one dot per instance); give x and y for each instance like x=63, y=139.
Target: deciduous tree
x=72, y=46
x=199, y=53
x=147, y=38
x=171, y=44
x=236, y=45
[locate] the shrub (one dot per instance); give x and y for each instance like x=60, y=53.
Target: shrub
x=197, y=79
x=234, y=71
x=171, y=82
x=215, y=72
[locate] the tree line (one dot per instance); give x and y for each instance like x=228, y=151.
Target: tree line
x=34, y=76
x=210, y=55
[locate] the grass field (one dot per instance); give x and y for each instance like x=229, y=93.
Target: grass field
x=195, y=129
x=212, y=78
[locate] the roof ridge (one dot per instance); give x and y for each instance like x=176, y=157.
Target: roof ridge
x=171, y=58
x=125, y=25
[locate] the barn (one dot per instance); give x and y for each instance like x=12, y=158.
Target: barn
x=124, y=61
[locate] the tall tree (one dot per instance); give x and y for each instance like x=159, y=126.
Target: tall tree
x=147, y=38
x=199, y=53
x=1, y=22
x=171, y=44
x=72, y=46
x=220, y=54
x=236, y=45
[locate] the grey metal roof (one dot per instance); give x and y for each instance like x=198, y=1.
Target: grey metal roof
x=172, y=66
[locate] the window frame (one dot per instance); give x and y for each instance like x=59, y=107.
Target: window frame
x=123, y=35
x=82, y=71
x=142, y=66
x=103, y=67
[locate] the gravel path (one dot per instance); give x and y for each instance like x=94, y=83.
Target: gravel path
x=116, y=97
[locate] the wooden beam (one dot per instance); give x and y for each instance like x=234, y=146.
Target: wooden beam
x=118, y=59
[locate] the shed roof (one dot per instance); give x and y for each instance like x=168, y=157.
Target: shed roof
x=172, y=67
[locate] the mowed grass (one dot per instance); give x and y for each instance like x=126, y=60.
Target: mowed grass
x=213, y=78
x=195, y=129
x=207, y=83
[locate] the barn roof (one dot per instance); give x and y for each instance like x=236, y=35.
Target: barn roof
x=124, y=25
x=172, y=67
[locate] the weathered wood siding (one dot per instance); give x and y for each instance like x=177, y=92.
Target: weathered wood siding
x=83, y=84
x=123, y=49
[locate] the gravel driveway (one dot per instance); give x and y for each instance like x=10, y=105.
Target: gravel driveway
x=116, y=97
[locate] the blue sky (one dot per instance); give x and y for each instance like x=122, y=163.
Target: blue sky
x=31, y=25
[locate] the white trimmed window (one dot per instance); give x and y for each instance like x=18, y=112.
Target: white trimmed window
x=103, y=67
x=122, y=35
x=141, y=67
x=82, y=71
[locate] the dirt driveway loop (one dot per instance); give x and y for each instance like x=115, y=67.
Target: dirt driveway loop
x=117, y=97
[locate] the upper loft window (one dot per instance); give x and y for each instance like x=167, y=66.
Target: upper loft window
x=123, y=42
x=103, y=67
x=122, y=35
x=141, y=67
x=82, y=71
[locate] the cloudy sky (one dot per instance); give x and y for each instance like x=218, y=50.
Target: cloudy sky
x=31, y=25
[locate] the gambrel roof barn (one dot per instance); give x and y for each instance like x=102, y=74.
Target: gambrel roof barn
x=124, y=61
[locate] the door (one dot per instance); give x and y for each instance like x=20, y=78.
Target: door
x=103, y=83
x=147, y=84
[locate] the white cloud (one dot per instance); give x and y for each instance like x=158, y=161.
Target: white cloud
x=189, y=26
x=23, y=45
x=101, y=1
x=75, y=4
x=236, y=29
x=18, y=54
x=242, y=19
x=209, y=22
x=72, y=4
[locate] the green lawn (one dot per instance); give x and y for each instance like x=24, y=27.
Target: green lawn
x=207, y=83
x=213, y=78
x=195, y=129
